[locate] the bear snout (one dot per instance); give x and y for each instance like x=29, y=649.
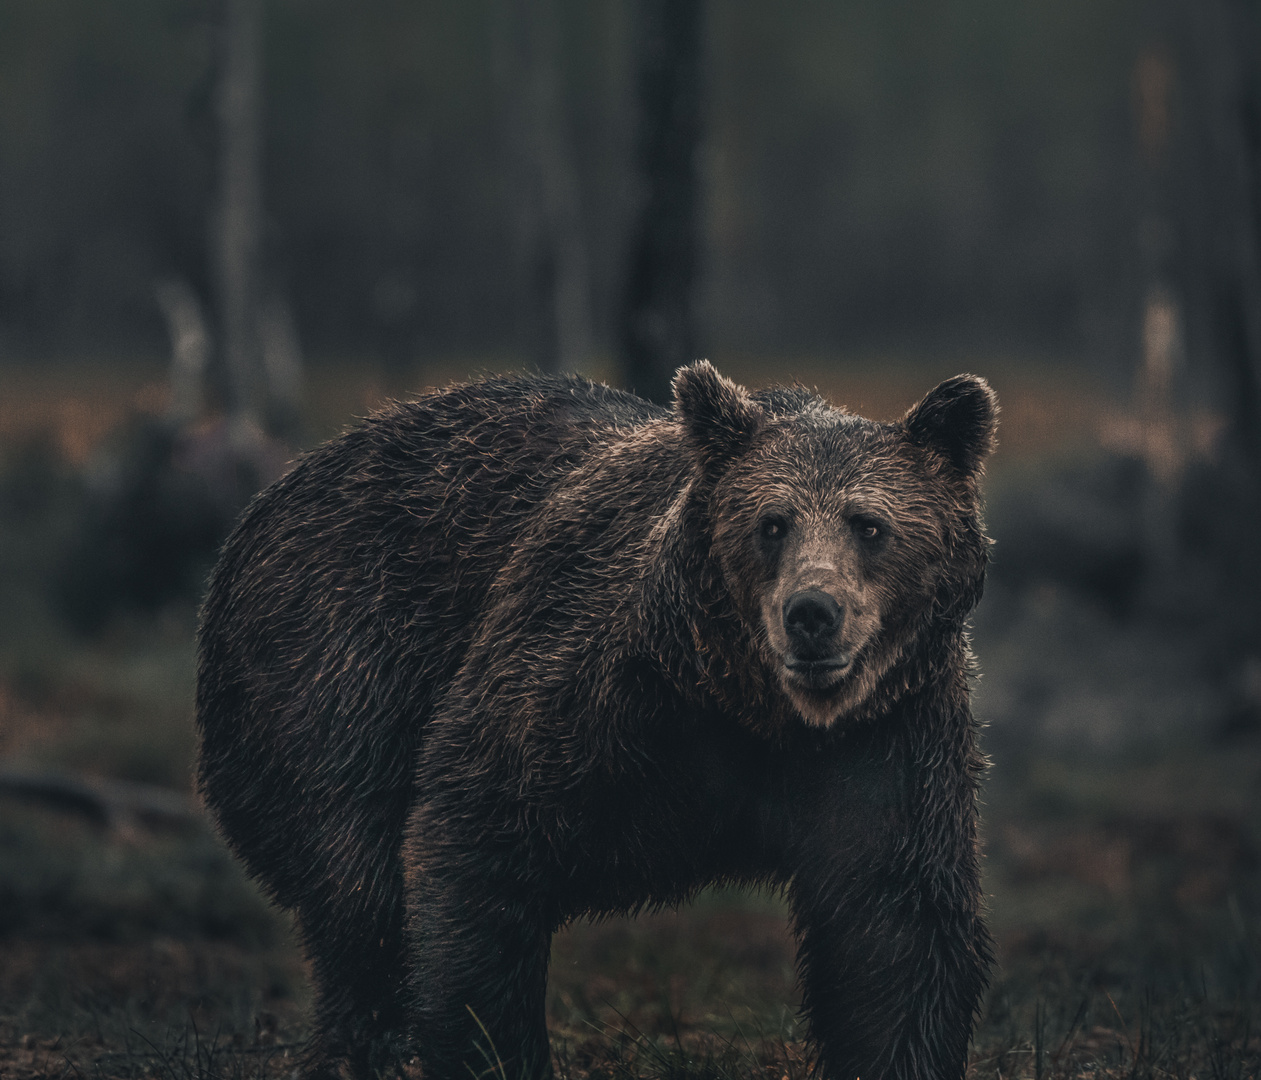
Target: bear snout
x=812, y=619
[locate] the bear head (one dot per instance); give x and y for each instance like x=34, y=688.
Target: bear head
x=847, y=546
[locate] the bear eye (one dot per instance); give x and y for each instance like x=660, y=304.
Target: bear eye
x=773, y=529
x=869, y=529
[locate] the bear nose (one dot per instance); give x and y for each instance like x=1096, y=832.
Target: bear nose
x=811, y=618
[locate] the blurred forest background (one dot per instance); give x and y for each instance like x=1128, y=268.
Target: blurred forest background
x=229, y=227
x=917, y=174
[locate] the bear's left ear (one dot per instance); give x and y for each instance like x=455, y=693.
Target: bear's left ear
x=719, y=417
x=958, y=419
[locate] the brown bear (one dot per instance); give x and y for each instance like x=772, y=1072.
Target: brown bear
x=533, y=649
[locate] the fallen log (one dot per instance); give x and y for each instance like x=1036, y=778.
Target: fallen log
x=115, y=804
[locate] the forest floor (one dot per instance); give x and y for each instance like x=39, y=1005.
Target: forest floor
x=1122, y=822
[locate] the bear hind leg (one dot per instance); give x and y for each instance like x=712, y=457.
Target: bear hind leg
x=358, y=967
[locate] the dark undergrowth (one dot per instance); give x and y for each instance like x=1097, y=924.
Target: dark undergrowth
x=1128, y=948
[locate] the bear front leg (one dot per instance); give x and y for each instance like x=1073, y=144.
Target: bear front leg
x=478, y=946
x=891, y=979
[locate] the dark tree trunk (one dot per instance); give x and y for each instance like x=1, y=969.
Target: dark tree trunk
x=551, y=238
x=1219, y=219
x=237, y=224
x=657, y=332
x=259, y=351
x=1225, y=110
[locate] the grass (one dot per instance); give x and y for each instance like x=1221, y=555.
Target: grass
x=1125, y=889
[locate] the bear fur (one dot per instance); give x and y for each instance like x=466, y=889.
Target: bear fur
x=533, y=649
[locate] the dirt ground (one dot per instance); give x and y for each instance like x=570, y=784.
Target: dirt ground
x=1123, y=900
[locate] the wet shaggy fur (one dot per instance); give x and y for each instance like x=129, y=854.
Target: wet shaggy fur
x=533, y=649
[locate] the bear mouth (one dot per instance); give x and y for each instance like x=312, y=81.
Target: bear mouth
x=820, y=674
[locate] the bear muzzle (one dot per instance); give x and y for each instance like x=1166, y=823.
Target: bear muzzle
x=812, y=622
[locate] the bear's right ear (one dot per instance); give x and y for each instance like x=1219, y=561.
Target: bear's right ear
x=958, y=420
x=719, y=417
